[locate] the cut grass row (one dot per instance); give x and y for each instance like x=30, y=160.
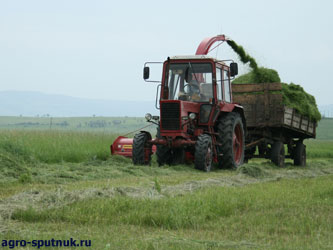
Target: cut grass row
x=64, y=156
x=287, y=214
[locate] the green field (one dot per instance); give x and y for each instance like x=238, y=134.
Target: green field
x=84, y=124
x=62, y=183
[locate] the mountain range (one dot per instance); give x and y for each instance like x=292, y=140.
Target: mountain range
x=30, y=103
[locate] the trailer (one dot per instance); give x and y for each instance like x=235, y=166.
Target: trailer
x=272, y=127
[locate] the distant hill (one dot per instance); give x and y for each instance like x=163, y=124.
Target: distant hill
x=30, y=103
x=26, y=103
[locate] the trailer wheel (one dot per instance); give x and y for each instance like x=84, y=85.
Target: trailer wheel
x=277, y=153
x=231, y=136
x=141, y=149
x=300, y=155
x=203, y=155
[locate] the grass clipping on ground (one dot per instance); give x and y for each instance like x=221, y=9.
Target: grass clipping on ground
x=294, y=95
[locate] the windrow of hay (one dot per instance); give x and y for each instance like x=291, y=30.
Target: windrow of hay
x=294, y=95
x=13, y=162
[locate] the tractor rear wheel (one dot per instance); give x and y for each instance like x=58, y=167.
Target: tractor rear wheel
x=278, y=154
x=300, y=155
x=203, y=155
x=231, y=138
x=142, y=151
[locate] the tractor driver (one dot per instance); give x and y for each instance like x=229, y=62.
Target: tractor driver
x=192, y=88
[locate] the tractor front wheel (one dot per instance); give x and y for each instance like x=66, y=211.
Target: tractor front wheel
x=142, y=150
x=203, y=155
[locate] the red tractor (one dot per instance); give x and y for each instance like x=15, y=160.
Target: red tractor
x=198, y=120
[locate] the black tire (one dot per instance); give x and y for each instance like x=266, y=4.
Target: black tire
x=300, y=155
x=278, y=153
x=163, y=153
x=140, y=148
x=231, y=153
x=203, y=155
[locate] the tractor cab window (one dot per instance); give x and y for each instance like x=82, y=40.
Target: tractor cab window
x=190, y=82
x=219, y=83
x=226, y=83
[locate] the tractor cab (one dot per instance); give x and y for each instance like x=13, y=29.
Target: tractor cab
x=192, y=87
x=197, y=78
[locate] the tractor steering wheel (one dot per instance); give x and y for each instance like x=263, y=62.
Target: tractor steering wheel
x=192, y=88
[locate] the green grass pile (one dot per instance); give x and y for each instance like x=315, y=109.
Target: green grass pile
x=294, y=95
x=13, y=162
x=253, y=170
x=260, y=75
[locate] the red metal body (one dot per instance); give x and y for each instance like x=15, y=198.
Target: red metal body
x=205, y=45
x=123, y=146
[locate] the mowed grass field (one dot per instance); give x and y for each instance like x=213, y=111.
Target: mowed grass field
x=63, y=183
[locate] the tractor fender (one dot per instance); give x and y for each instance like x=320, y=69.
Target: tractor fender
x=147, y=133
x=238, y=109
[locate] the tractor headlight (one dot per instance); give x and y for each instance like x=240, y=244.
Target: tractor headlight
x=148, y=116
x=192, y=116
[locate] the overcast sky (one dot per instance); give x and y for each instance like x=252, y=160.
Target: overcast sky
x=96, y=49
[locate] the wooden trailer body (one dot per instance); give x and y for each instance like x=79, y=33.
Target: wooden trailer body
x=269, y=121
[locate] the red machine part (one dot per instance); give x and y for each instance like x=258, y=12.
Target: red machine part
x=123, y=146
x=206, y=43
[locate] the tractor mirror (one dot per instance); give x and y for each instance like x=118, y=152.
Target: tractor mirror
x=146, y=73
x=233, y=69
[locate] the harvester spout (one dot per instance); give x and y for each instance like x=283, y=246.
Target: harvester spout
x=205, y=45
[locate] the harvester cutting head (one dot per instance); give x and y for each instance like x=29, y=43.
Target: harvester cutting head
x=122, y=146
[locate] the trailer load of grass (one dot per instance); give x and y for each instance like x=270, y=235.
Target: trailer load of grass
x=294, y=95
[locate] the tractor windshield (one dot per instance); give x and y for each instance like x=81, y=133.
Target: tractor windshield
x=190, y=82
